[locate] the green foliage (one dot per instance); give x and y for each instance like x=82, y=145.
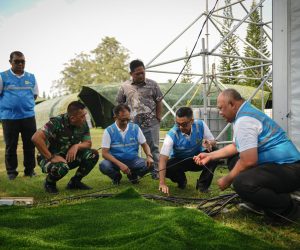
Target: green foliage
x=186, y=77
x=110, y=61
x=229, y=47
x=258, y=41
x=105, y=64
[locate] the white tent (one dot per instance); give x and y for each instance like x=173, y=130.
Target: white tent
x=286, y=66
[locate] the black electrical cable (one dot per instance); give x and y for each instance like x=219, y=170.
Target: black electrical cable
x=55, y=201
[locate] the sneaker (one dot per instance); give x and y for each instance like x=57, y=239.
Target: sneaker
x=154, y=175
x=182, y=184
x=77, y=185
x=251, y=207
x=50, y=187
x=116, y=181
x=293, y=217
x=133, y=178
x=201, y=188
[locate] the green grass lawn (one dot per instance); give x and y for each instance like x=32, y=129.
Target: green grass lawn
x=127, y=221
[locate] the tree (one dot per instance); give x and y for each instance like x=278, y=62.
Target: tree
x=77, y=72
x=229, y=47
x=257, y=41
x=186, y=77
x=105, y=64
x=110, y=63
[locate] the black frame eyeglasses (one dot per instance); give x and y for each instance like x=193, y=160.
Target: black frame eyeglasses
x=19, y=61
x=183, y=125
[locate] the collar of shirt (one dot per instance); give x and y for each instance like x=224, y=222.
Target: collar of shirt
x=240, y=109
x=138, y=84
x=19, y=76
x=67, y=122
x=120, y=130
x=188, y=135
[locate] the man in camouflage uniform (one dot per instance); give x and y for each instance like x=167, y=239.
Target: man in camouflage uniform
x=65, y=143
x=143, y=96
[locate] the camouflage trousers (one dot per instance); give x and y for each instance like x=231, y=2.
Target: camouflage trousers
x=85, y=159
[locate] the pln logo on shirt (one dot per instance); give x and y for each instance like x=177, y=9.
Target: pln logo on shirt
x=27, y=82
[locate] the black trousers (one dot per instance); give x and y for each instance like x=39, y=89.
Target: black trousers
x=11, y=130
x=268, y=186
x=176, y=169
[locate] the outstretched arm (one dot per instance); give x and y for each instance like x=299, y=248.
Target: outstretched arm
x=162, y=174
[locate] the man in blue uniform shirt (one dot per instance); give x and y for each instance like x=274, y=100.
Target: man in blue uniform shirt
x=268, y=167
x=120, y=146
x=18, y=90
x=182, y=142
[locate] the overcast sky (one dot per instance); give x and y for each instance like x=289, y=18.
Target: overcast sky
x=51, y=32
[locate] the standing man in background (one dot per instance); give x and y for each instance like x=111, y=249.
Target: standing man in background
x=144, y=96
x=18, y=90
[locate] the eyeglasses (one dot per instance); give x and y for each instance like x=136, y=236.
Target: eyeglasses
x=19, y=61
x=183, y=125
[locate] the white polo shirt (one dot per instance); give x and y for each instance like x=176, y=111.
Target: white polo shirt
x=246, y=130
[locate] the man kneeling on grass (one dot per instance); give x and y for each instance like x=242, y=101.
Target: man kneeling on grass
x=187, y=138
x=120, y=146
x=65, y=143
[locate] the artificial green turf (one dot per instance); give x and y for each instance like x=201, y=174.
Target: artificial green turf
x=126, y=221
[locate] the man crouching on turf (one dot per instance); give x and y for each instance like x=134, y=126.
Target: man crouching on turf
x=65, y=143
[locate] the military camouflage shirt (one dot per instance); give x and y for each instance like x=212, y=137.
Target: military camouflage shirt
x=61, y=135
x=142, y=99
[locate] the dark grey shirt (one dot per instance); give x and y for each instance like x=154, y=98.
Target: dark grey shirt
x=142, y=99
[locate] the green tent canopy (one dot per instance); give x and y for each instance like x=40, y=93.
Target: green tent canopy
x=100, y=99
x=53, y=107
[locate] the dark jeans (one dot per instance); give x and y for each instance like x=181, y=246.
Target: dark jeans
x=176, y=169
x=11, y=130
x=268, y=186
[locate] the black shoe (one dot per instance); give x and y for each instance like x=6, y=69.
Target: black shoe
x=154, y=175
x=201, y=187
x=50, y=187
x=182, y=184
x=133, y=178
x=251, y=207
x=292, y=217
x=11, y=177
x=116, y=181
x=77, y=185
x=32, y=174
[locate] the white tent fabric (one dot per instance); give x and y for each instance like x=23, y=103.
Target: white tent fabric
x=295, y=73
x=286, y=66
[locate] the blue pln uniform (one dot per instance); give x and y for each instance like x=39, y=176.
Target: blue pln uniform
x=278, y=172
x=17, y=115
x=126, y=151
x=181, y=161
